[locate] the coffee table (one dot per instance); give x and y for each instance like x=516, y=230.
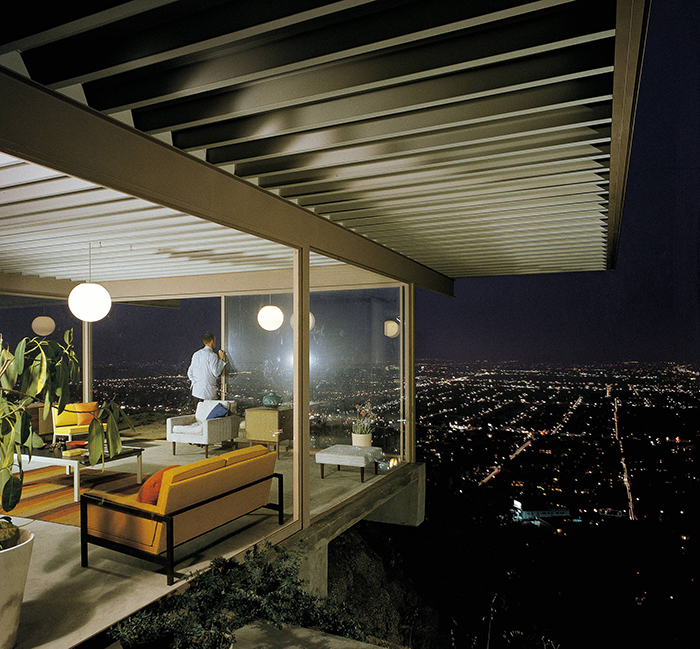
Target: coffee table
x=345, y=455
x=46, y=457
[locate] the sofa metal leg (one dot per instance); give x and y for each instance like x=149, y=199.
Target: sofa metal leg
x=83, y=535
x=170, y=551
x=280, y=497
x=174, y=447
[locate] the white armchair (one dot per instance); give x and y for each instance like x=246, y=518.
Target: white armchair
x=209, y=425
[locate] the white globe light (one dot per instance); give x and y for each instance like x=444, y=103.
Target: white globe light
x=391, y=328
x=312, y=321
x=89, y=302
x=43, y=325
x=270, y=318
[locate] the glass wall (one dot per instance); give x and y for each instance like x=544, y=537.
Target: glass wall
x=355, y=347
x=261, y=359
x=356, y=372
x=141, y=353
x=17, y=315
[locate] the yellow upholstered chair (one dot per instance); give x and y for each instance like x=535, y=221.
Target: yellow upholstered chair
x=74, y=420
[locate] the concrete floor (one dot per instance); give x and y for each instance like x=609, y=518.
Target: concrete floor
x=65, y=604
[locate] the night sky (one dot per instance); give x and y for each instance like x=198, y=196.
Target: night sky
x=647, y=308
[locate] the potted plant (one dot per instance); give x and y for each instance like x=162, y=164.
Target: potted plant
x=15, y=552
x=362, y=426
x=40, y=371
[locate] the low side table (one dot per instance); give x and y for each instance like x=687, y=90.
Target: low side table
x=77, y=462
x=345, y=455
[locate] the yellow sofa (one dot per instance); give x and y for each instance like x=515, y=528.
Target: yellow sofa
x=74, y=420
x=193, y=499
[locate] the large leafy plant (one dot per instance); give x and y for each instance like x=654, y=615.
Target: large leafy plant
x=40, y=371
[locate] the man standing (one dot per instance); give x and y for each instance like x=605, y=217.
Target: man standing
x=205, y=369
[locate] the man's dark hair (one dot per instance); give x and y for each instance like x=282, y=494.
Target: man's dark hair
x=207, y=338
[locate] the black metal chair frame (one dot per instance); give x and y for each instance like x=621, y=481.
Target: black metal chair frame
x=168, y=558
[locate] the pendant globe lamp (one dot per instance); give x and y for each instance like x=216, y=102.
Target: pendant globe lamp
x=391, y=328
x=312, y=321
x=43, y=325
x=87, y=301
x=270, y=318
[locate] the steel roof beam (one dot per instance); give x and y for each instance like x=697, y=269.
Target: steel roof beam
x=595, y=115
x=144, y=33
x=588, y=60
x=542, y=32
x=374, y=27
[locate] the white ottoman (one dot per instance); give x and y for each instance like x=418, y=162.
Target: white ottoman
x=345, y=455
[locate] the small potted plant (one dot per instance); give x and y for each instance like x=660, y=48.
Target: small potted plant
x=362, y=426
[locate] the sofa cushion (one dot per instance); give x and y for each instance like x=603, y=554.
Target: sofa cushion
x=243, y=454
x=198, y=468
x=150, y=490
x=85, y=412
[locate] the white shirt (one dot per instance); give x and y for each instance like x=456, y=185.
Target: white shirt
x=204, y=372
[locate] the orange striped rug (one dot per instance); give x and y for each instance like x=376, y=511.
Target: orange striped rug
x=47, y=494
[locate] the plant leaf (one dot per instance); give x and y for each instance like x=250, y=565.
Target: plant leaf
x=25, y=427
x=19, y=356
x=62, y=386
x=114, y=440
x=96, y=442
x=47, y=405
x=43, y=371
x=11, y=493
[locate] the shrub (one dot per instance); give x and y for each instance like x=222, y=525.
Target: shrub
x=229, y=595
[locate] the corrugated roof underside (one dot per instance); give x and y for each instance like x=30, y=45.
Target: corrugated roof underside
x=472, y=137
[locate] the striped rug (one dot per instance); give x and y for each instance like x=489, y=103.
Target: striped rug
x=47, y=494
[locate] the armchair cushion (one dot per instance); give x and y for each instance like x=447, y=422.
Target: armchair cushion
x=85, y=412
x=206, y=406
x=67, y=417
x=219, y=410
x=189, y=429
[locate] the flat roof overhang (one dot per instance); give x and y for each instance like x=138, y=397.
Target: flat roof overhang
x=493, y=138
x=42, y=127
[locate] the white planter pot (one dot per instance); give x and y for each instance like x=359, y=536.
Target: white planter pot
x=14, y=565
x=362, y=440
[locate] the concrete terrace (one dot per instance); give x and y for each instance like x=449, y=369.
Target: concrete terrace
x=66, y=605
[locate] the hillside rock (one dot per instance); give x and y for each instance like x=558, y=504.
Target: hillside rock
x=365, y=571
